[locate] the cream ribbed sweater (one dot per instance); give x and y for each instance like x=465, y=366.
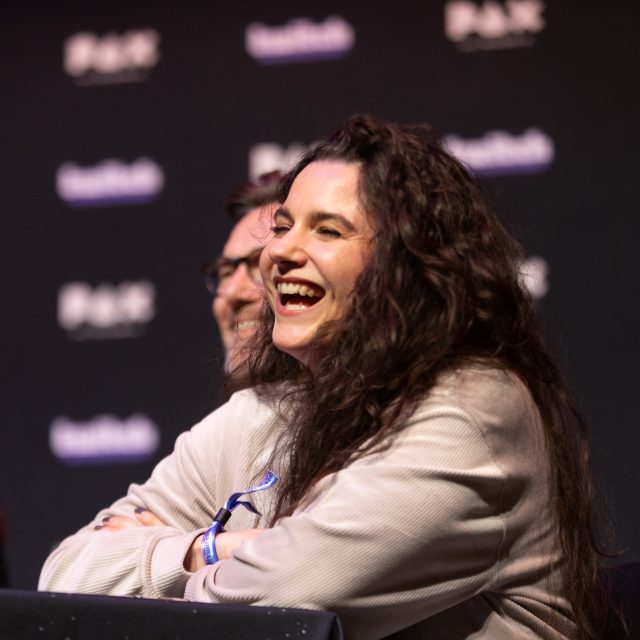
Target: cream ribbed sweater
x=444, y=535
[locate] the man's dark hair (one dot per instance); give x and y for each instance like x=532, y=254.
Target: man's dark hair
x=252, y=194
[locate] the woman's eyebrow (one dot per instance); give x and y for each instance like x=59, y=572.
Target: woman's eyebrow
x=317, y=217
x=282, y=211
x=324, y=216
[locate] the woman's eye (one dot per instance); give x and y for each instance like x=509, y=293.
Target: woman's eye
x=328, y=231
x=279, y=229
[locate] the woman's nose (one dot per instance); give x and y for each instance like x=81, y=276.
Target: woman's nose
x=288, y=251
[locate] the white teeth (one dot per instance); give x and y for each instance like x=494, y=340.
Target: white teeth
x=295, y=307
x=247, y=324
x=293, y=288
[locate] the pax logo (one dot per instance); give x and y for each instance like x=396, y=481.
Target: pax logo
x=110, y=182
x=534, y=276
x=270, y=156
x=112, y=58
x=103, y=439
x=107, y=311
x=499, y=153
x=300, y=40
x=493, y=25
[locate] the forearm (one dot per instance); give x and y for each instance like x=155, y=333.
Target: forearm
x=184, y=492
x=144, y=561
x=139, y=560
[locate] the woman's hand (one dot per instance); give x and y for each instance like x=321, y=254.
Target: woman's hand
x=141, y=518
x=226, y=543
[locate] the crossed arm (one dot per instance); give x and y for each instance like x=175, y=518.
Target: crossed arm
x=226, y=542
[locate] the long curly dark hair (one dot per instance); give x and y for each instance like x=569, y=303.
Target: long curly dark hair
x=442, y=288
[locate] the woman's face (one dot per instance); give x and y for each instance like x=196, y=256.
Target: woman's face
x=320, y=244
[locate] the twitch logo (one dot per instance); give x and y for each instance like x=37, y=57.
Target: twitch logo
x=500, y=153
x=110, y=182
x=113, y=58
x=106, y=311
x=493, y=25
x=104, y=439
x=300, y=40
x=270, y=156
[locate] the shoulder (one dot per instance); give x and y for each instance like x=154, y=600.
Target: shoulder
x=247, y=405
x=482, y=391
x=229, y=442
x=494, y=404
x=246, y=416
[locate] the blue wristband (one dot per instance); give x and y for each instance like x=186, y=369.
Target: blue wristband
x=209, y=543
x=209, y=538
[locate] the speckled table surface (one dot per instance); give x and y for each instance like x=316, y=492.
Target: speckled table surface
x=26, y=615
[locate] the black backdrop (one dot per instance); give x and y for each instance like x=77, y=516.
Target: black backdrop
x=173, y=95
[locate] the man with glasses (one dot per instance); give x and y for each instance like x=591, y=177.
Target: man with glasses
x=234, y=278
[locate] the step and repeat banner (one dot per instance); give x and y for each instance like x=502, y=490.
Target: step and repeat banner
x=124, y=128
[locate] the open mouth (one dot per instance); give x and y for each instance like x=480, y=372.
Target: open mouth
x=297, y=296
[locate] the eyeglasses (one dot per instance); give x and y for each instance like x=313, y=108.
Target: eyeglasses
x=215, y=272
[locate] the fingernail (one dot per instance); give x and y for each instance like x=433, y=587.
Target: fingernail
x=106, y=519
x=139, y=509
x=97, y=527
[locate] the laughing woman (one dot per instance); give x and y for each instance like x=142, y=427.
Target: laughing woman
x=434, y=475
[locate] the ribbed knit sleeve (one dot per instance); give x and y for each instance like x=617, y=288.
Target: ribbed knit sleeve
x=184, y=491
